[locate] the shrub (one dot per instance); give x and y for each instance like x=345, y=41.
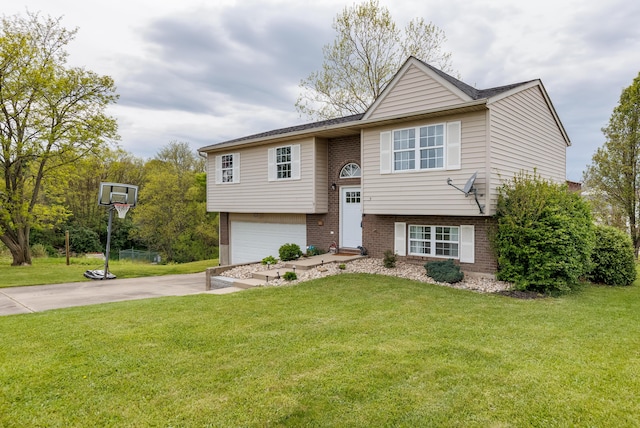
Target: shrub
x=39, y=250
x=269, y=259
x=389, y=260
x=290, y=276
x=314, y=251
x=342, y=266
x=444, y=271
x=613, y=257
x=289, y=252
x=544, y=237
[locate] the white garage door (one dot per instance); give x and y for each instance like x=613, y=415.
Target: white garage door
x=252, y=242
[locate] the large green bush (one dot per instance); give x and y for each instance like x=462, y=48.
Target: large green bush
x=613, y=257
x=545, y=235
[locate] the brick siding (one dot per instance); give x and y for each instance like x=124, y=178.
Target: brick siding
x=378, y=236
x=342, y=151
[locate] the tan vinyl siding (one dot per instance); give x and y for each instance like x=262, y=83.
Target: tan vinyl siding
x=256, y=194
x=321, y=175
x=425, y=192
x=415, y=91
x=524, y=136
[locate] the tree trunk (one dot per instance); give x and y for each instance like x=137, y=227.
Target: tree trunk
x=18, y=245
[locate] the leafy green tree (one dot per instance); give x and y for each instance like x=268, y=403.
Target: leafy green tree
x=367, y=52
x=614, y=174
x=51, y=116
x=545, y=235
x=171, y=214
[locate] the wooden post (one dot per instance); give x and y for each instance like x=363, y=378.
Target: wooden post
x=66, y=245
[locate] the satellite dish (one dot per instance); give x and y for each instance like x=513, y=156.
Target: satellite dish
x=469, y=186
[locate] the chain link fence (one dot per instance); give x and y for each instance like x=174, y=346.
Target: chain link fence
x=139, y=256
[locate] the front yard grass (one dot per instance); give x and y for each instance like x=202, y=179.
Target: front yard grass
x=348, y=350
x=55, y=270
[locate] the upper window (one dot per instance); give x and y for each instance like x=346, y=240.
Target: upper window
x=420, y=148
x=439, y=241
x=350, y=170
x=283, y=162
x=429, y=149
x=228, y=168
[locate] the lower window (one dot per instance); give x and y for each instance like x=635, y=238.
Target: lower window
x=439, y=241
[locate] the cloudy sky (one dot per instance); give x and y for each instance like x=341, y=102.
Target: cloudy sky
x=204, y=72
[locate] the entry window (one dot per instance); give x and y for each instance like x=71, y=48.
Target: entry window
x=352, y=197
x=350, y=170
x=440, y=241
x=283, y=162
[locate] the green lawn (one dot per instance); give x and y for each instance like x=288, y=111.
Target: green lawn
x=349, y=350
x=56, y=271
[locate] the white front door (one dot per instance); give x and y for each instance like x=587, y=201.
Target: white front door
x=350, y=217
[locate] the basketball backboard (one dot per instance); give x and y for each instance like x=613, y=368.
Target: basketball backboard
x=117, y=193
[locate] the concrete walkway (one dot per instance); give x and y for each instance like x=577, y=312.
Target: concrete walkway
x=36, y=298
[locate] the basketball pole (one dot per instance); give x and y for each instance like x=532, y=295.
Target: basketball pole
x=106, y=257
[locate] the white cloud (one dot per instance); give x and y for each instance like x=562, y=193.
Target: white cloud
x=205, y=72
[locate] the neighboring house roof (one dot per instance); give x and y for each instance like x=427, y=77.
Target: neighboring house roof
x=473, y=95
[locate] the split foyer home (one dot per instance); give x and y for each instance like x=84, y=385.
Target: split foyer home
x=417, y=173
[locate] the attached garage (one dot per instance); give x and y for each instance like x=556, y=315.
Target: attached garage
x=254, y=237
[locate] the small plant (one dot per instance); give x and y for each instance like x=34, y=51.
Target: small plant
x=39, y=250
x=290, y=276
x=269, y=260
x=444, y=271
x=312, y=250
x=289, y=252
x=342, y=266
x=389, y=260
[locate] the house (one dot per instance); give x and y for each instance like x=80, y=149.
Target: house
x=391, y=178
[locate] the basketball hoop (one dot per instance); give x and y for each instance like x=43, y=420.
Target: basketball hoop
x=122, y=209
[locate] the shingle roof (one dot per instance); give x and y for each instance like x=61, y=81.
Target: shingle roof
x=303, y=127
x=476, y=94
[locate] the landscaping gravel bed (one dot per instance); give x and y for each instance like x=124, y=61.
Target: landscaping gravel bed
x=373, y=266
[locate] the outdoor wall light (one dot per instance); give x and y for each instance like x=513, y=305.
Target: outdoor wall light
x=333, y=186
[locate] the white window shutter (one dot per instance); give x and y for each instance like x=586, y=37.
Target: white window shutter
x=295, y=161
x=272, y=164
x=218, y=172
x=467, y=244
x=400, y=239
x=236, y=167
x=453, y=145
x=385, y=153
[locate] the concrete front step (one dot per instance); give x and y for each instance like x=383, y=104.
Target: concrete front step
x=249, y=283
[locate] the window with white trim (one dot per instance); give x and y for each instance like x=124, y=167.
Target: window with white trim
x=350, y=170
x=429, y=149
x=420, y=148
x=227, y=168
x=283, y=162
x=435, y=241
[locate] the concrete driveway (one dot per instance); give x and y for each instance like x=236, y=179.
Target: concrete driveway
x=36, y=298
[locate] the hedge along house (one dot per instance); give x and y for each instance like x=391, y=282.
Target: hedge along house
x=384, y=180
